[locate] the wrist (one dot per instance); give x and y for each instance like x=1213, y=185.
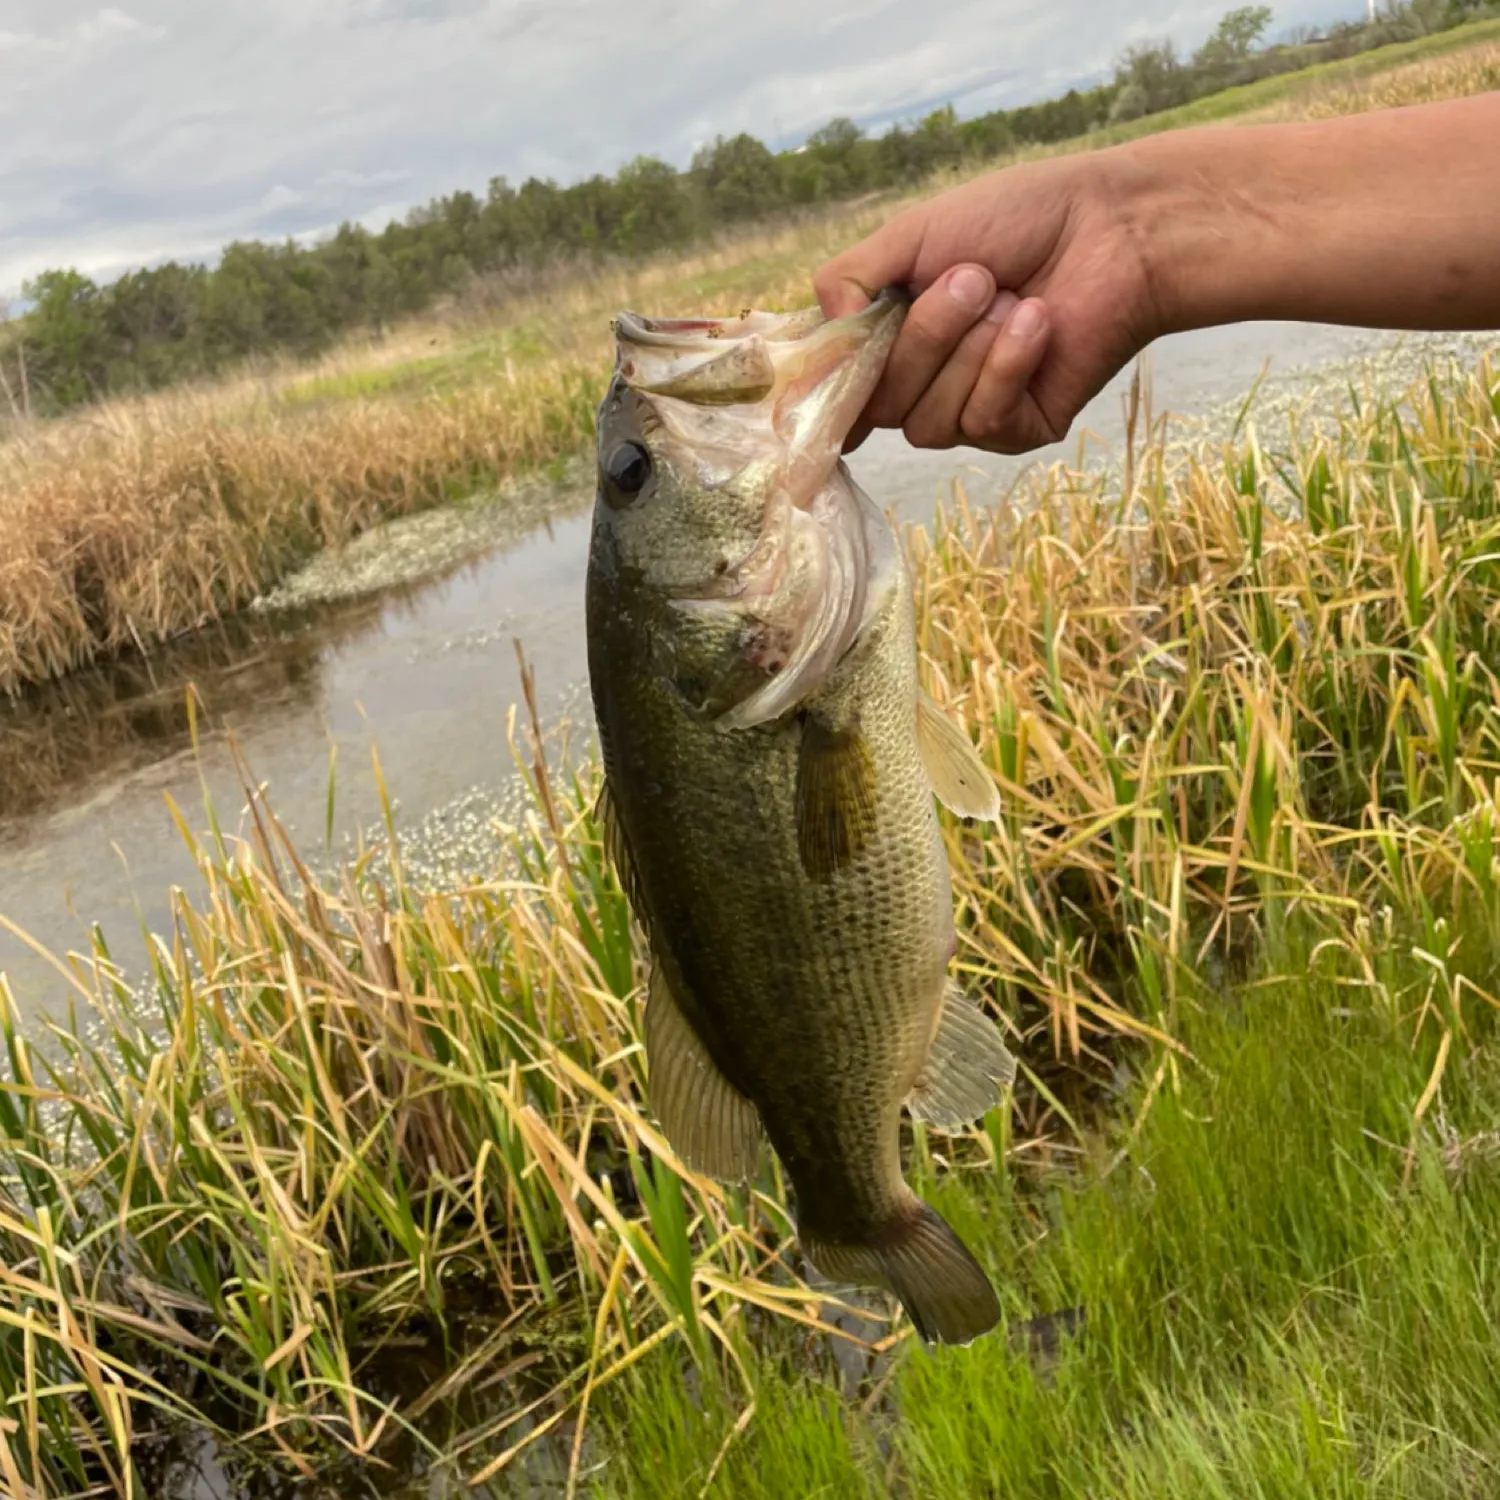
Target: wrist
x=1209, y=226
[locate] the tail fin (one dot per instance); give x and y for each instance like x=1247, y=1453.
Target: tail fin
x=918, y=1257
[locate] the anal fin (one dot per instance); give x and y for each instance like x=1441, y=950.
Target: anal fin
x=960, y=780
x=916, y=1255
x=712, y=1126
x=967, y=1069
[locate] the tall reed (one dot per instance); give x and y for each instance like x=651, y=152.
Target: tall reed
x=140, y=519
x=1233, y=691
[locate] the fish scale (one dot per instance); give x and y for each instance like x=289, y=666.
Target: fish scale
x=776, y=817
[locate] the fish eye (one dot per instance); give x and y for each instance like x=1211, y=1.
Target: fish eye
x=628, y=468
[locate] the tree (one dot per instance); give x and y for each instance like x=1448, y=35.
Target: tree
x=1430, y=15
x=838, y=139
x=839, y=157
x=988, y=136
x=1150, y=75
x=653, y=206
x=1062, y=119
x=1234, y=38
x=151, y=319
x=738, y=177
x=65, y=336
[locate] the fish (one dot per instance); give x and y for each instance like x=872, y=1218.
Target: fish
x=770, y=762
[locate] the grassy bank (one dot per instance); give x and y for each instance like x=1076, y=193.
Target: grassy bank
x=1447, y=65
x=1269, y=1298
x=138, y=520
x=365, y=1176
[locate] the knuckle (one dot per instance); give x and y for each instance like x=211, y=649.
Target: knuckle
x=921, y=430
x=984, y=424
x=999, y=430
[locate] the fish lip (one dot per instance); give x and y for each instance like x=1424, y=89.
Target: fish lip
x=846, y=338
x=635, y=328
x=668, y=332
x=781, y=332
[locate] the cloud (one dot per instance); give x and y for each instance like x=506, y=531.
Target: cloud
x=171, y=127
x=109, y=23
x=27, y=41
x=280, y=198
x=375, y=11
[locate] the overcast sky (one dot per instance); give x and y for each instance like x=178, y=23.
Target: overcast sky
x=168, y=127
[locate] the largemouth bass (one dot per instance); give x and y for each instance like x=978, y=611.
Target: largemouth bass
x=770, y=763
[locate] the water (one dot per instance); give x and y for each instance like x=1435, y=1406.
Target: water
x=426, y=672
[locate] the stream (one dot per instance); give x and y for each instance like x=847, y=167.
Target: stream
x=425, y=671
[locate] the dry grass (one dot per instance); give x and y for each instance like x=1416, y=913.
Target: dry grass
x=167, y=518
x=1454, y=75
x=141, y=519
x=1241, y=696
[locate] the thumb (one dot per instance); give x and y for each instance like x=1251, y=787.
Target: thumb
x=886, y=258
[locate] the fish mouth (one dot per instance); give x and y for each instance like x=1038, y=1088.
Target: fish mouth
x=811, y=375
x=763, y=403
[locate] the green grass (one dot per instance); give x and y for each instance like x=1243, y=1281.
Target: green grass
x=1280, y=1300
x=1244, y=718
x=1251, y=98
x=484, y=356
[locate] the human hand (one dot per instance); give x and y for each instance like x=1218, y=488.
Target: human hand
x=1032, y=291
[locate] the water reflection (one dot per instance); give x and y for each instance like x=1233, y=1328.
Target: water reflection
x=60, y=740
x=426, y=671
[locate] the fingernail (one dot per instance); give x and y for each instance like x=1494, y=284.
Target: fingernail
x=1000, y=308
x=1026, y=321
x=969, y=286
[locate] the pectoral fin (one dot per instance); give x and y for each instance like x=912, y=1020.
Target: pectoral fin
x=967, y=1067
x=712, y=1126
x=959, y=778
x=835, y=797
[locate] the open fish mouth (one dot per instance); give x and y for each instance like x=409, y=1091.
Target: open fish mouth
x=753, y=411
x=809, y=375
x=732, y=360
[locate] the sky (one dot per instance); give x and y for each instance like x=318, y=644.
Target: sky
x=166, y=128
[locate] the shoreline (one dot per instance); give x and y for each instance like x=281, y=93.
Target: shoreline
x=383, y=1107
x=154, y=516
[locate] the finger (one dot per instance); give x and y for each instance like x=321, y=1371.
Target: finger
x=933, y=422
x=1001, y=414
x=886, y=258
x=934, y=326
x=938, y=321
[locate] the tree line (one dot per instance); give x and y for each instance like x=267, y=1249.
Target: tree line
x=80, y=341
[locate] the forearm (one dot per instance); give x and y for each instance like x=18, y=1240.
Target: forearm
x=1388, y=220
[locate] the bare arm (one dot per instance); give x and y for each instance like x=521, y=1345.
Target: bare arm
x=1071, y=266
x=1386, y=220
